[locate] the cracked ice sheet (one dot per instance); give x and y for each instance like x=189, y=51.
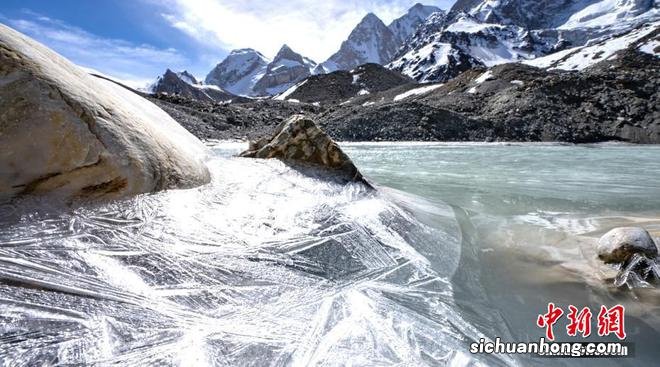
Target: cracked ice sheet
x=264, y=266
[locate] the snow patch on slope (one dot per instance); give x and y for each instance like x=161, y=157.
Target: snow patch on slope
x=651, y=47
x=579, y=58
x=484, y=77
x=467, y=25
x=289, y=91
x=604, y=13
x=417, y=91
x=420, y=61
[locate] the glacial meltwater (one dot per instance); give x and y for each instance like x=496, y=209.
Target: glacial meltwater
x=268, y=266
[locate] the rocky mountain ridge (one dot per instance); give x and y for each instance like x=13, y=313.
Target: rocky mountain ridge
x=286, y=69
x=185, y=84
x=484, y=33
x=615, y=98
x=239, y=71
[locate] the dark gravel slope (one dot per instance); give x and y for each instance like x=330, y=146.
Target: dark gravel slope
x=613, y=100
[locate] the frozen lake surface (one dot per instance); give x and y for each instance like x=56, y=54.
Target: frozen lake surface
x=266, y=266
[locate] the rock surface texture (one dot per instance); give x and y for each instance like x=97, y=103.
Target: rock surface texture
x=620, y=244
x=300, y=140
x=66, y=133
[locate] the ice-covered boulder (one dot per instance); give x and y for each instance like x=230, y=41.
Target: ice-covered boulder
x=620, y=244
x=300, y=140
x=66, y=133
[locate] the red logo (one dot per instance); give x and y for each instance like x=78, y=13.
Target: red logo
x=549, y=319
x=610, y=321
x=579, y=322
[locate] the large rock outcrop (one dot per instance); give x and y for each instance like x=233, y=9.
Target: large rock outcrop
x=299, y=140
x=66, y=133
x=620, y=244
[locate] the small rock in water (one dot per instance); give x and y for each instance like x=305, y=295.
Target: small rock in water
x=620, y=244
x=299, y=140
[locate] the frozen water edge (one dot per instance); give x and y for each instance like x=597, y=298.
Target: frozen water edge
x=264, y=266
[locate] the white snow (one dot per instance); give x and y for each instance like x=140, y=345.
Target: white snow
x=363, y=92
x=484, y=77
x=289, y=91
x=208, y=86
x=368, y=103
x=650, y=47
x=468, y=25
x=549, y=60
x=293, y=100
x=417, y=91
x=356, y=78
x=406, y=25
x=518, y=82
x=239, y=62
x=186, y=78
x=500, y=53
x=606, y=13
x=421, y=59
x=284, y=63
x=472, y=90
x=579, y=58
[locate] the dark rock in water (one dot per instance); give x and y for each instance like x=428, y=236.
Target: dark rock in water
x=299, y=140
x=620, y=244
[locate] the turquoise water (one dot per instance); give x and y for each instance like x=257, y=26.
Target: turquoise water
x=271, y=266
x=532, y=213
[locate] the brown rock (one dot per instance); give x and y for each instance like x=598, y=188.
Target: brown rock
x=620, y=244
x=300, y=140
x=66, y=133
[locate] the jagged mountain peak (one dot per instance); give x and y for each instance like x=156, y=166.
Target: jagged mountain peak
x=371, y=41
x=371, y=19
x=287, y=68
x=537, y=14
x=183, y=75
x=404, y=26
x=490, y=32
x=423, y=10
x=184, y=84
x=286, y=53
x=244, y=51
x=239, y=71
x=369, y=23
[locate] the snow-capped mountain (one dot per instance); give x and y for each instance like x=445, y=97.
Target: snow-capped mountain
x=286, y=69
x=646, y=39
x=184, y=84
x=489, y=32
x=564, y=14
x=405, y=26
x=371, y=41
x=239, y=71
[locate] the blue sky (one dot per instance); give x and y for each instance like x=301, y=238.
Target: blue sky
x=136, y=40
